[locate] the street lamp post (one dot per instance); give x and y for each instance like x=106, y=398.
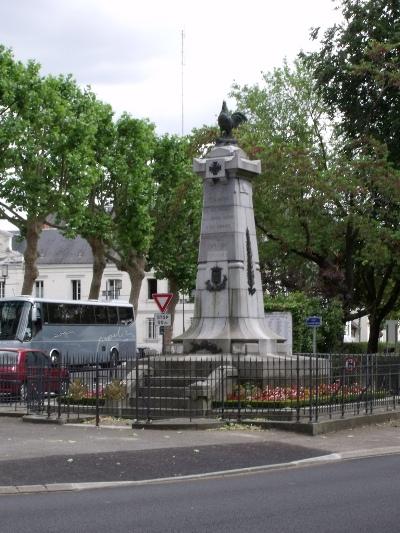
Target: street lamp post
x=4, y=275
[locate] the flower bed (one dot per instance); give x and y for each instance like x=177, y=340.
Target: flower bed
x=291, y=397
x=80, y=394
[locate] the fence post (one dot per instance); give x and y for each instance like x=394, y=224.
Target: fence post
x=238, y=389
x=97, y=390
x=137, y=390
x=316, y=386
x=366, y=382
x=310, y=403
x=61, y=393
x=298, y=388
x=48, y=396
x=148, y=388
x=343, y=384
x=222, y=388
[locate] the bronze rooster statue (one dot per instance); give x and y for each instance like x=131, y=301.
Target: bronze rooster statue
x=227, y=121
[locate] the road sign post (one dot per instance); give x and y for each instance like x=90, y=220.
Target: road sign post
x=314, y=322
x=162, y=319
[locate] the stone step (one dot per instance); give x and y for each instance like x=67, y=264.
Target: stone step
x=170, y=381
x=185, y=368
x=162, y=403
x=157, y=413
x=165, y=391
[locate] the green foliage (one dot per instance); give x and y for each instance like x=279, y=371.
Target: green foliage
x=116, y=390
x=78, y=389
x=47, y=151
x=329, y=335
x=132, y=185
x=362, y=348
x=357, y=70
x=327, y=210
x=177, y=214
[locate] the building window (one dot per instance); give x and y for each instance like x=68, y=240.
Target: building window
x=151, y=288
x=113, y=289
x=39, y=289
x=2, y=289
x=76, y=289
x=151, y=330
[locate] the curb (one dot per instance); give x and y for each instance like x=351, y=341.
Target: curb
x=326, y=426
x=179, y=424
x=77, y=487
x=305, y=428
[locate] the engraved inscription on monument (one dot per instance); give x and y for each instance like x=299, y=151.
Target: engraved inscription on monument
x=220, y=221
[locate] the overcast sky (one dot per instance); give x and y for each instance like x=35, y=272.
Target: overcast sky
x=130, y=52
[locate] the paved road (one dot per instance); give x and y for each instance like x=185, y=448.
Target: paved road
x=352, y=496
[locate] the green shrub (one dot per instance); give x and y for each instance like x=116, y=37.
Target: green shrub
x=116, y=390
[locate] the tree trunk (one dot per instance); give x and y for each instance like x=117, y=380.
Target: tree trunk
x=33, y=231
x=136, y=272
x=99, y=264
x=374, y=333
x=173, y=287
x=134, y=265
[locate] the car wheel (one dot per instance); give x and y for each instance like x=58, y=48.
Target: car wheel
x=55, y=358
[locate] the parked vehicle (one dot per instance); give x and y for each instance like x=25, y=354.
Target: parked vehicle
x=23, y=370
x=70, y=329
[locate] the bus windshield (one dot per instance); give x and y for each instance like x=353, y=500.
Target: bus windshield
x=10, y=314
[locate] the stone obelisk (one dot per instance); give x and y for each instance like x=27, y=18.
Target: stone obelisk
x=229, y=304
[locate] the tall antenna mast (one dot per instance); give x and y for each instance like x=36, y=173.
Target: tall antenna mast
x=182, y=65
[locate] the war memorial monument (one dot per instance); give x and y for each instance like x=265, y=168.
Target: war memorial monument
x=229, y=300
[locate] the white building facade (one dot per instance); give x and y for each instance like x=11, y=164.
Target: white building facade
x=65, y=272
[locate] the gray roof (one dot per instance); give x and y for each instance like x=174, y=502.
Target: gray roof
x=55, y=249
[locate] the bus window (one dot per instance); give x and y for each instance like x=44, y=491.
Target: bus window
x=10, y=313
x=125, y=315
x=34, y=322
x=101, y=314
x=87, y=314
x=72, y=314
x=112, y=315
x=55, y=313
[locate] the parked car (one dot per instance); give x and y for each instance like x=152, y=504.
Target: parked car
x=23, y=371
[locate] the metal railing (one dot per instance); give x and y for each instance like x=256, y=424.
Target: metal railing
x=303, y=387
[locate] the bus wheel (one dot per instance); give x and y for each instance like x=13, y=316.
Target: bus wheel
x=55, y=358
x=114, y=360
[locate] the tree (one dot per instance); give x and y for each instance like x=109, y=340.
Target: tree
x=96, y=223
x=48, y=127
x=358, y=74
x=177, y=215
x=316, y=208
x=358, y=71
x=131, y=198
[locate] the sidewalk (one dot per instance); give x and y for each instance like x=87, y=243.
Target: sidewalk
x=51, y=456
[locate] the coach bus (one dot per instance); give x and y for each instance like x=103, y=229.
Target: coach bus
x=70, y=329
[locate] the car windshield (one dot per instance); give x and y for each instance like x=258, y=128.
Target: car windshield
x=10, y=313
x=8, y=358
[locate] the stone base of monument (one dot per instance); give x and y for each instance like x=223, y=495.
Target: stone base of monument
x=189, y=385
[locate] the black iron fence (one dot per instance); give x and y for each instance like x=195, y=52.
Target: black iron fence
x=235, y=387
